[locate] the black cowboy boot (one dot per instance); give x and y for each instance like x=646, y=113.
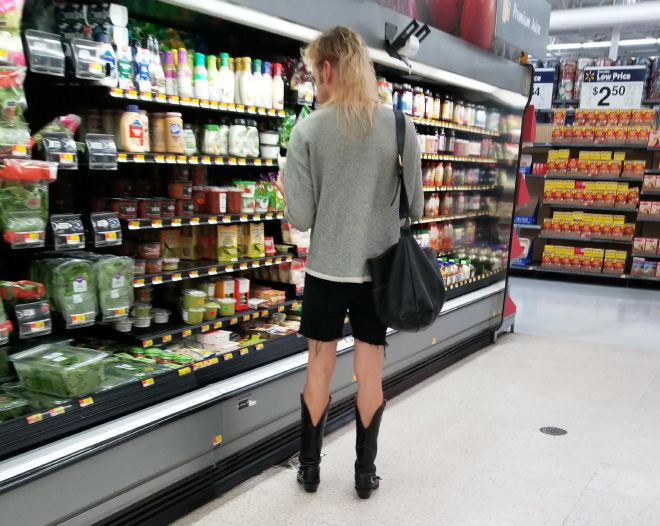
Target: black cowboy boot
x=366, y=447
x=311, y=440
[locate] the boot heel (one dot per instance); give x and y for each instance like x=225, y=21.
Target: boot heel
x=364, y=493
x=310, y=488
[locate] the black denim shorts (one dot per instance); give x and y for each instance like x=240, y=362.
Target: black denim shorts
x=325, y=304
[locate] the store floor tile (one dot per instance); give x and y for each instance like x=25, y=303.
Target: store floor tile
x=587, y=312
x=464, y=448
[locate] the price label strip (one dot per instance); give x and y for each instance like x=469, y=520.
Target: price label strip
x=616, y=88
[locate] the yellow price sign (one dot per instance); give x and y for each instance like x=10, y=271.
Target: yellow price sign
x=111, y=235
x=193, y=274
x=213, y=220
x=243, y=266
x=206, y=328
x=255, y=315
x=167, y=338
x=148, y=382
x=194, y=221
x=233, y=321
x=244, y=351
x=228, y=356
x=176, y=222
x=246, y=317
x=259, y=346
x=186, y=333
x=213, y=271
x=55, y=411
x=147, y=343
x=34, y=418
x=120, y=312
x=217, y=325
x=37, y=325
x=242, y=162
x=156, y=280
x=220, y=161
x=159, y=158
x=217, y=440
x=206, y=160
x=78, y=318
x=226, y=219
x=184, y=371
x=86, y=401
x=232, y=161
x=257, y=162
x=177, y=277
x=157, y=223
x=264, y=312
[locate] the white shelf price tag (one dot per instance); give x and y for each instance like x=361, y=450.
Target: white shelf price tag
x=544, y=79
x=612, y=88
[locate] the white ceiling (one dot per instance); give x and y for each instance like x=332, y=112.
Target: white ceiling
x=627, y=33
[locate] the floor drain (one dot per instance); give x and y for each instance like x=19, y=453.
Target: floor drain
x=554, y=431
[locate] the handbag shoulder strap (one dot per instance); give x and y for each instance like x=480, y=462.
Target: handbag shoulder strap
x=404, y=207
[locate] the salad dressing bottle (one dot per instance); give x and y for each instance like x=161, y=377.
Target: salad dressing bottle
x=170, y=75
x=201, y=77
x=226, y=79
x=237, y=80
x=215, y=93
x=184, y=77
x=267, y=86
x=247, y=83
x=258, y=83
x=278, y=87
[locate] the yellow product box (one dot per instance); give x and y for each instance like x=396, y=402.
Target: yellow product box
x=589, y=193
x=601, y=187
x=621, y=258
x=565, y=220
x=606, y=222
x=605, y=155
x=547, y=225
x=548, y=190
x=556, y=222
x=189, y=242
x=596, y=225
x=594, y=156
x=576, y=222
x=586, y=224
x=610, y=193
x=566, y=254
x=548, y=256
x=228, y=243
x=609, y=262
x=568, y=190
x=620, y=156
x=618, y=223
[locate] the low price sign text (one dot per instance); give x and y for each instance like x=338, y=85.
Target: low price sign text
x=612, y=88
x=544, y=79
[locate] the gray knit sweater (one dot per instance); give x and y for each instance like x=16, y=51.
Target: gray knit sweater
x=341, y=187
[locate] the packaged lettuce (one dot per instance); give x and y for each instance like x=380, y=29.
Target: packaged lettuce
x=11, y=407
x=60, y=370
x=36, y=401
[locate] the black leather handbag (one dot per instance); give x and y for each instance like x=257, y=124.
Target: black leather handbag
x=407, y=284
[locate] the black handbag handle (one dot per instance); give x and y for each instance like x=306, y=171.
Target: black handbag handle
x=404, y=207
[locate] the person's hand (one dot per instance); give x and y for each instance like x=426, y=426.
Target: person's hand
x=280, y=184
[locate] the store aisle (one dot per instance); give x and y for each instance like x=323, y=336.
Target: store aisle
x=464, y=447
x=587, y=312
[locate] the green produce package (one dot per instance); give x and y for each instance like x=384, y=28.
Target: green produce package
x=114, y=281
x=36, y=401
x=71, y=288
x=24, y=200
x=60, y=370
x=227, y=243
x=11, y=407
x=254, y=240
x=129, y=369
x=5, y=329
x=4, y=363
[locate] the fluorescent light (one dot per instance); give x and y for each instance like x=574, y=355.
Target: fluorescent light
x=638, y=42
x=553, y=47
x=596, y=44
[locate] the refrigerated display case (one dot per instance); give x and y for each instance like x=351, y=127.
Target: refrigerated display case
x=158, y=436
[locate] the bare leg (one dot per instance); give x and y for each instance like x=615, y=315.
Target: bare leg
x=368, y=366
x=320, y=368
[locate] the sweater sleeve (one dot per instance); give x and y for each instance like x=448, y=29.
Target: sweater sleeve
x=412, y=164
x=299, y=191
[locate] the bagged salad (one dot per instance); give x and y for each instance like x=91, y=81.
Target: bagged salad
x=24, y=200
x=71, y=288
x=114, y=281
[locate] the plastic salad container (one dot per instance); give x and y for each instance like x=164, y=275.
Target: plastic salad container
x=161, y=315
x=170, y=263
x=227, y=306
x=142, y=322
x=141, y=310
x=211, y=310
x=194, y=299
x=123, y=325
x=11, y=407
x=60, y=370
x=193, y=316
x=36, y=401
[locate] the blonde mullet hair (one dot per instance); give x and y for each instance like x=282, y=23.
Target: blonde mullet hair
x=357, y=88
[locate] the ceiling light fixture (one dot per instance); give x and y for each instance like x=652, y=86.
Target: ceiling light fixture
x=587, y=45
x=553, y=47
x=638, y=42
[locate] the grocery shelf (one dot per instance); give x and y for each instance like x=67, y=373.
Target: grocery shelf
x=645, y=255
x=159, y=334
x=207, y=160
x=652, y=172
x=648, y=219
x=201, y=269
x=648, y=192
x=584, y=239
x=587, y=207
x=204, y=219
x=588, y=178
x=462, y=159
x=460, y=188
x=538, y=268
x=527, y=226
x=645, y=278
x=588, y=145
x=463, y=287
x=186, y=102
x=452, y=126
x=451, y=217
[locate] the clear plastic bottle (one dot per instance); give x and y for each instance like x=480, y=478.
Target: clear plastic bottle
x=184, y=75
x=201, y=78
x=437, y=107
x=448, y=175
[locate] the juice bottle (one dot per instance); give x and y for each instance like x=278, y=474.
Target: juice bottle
x=448, y=175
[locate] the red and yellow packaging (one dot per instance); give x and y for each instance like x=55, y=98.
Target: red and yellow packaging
x=583, y=164
x=591, y=117
x=586, y=224
x=559, y=117
x=572, y=166
x=568, y=190
x=576, y=223
x=621, y=257
x=576, y=258
x=610, y=193
x=620, y=134
x=587, y=135
x=589, y=194
x=599, y=134
x=636, y=116
x=566, y=220
x=623, y=117
x=596, y=226
x=556, y=223
x=580, y=117
x=648, y=116
x=606, y=222
x=617, y=226
x=611, y=117
x=548, y=189
x=548, y=256
x=610, y=134
x=601, y=187
x=578, y=193
x=547, y=226
x=609, y=262
x=557, y=133
x=621, y=194
x=594, y=164
x=633, y=196
x=629, y=231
